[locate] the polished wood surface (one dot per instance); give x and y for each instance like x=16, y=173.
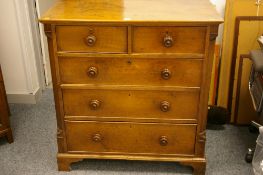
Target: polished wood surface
x=102, y=39
x=130, y=138
x=194, y=11
x=182, y=39
x=5, y=129
x=131, y=103
x=133, y=69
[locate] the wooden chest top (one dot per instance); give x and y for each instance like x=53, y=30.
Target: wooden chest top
x=134, y=11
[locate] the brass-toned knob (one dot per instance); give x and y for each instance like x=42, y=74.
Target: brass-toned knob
x=94, y=104
x=92, y=72
x=97, y=138
x=163, y=141
x=168, y=41
x=166, y=74
x=165, y=106
x=91, y=40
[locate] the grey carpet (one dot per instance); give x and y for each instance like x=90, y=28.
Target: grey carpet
x=34, y=149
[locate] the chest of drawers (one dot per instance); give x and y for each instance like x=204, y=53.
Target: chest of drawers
x=131, y=79
x=5, y=129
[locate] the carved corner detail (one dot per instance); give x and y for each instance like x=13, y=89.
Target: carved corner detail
x=61, y=141
x=199, y=168
x=59, y=133
x=48, y=34
x=213, y=36
x=202, y=137
x=64, y=163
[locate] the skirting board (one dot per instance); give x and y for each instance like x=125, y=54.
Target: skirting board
x=25, y=98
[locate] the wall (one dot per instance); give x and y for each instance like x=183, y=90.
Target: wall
x=247, y=42
x=17, y=53
x=237, y=8
x=220, y=7
x=42, y=7
x=36, y=41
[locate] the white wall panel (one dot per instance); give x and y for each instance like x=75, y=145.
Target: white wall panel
x=17, y=51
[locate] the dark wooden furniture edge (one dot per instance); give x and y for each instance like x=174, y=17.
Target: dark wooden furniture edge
x=5, y=130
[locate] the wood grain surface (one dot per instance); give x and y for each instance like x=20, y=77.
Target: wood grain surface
x=130, y=138
x=108, y=39
x=131, y=71
x=186, y=39
x=201, y=11
x=138, y=90
x=131, y=103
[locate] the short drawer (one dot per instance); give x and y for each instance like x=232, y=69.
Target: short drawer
x=92, y=39
x=126, y=71
x=131, y=138
x=169, y=39
x=150, y=104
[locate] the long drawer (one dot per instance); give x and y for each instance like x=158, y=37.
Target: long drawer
x=127, y=71
x=148, y=104
x=92, y=39
x=132, y=138
x=169, y=39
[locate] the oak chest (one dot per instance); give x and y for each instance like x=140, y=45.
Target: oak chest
x=131, y=78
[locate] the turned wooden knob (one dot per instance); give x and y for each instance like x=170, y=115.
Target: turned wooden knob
x=168, y=41
x=163, y=141
x=97, y=138
x=165, y=106
x=92, y=72
x=91, y=40
x=166, y=74
x=94, y=104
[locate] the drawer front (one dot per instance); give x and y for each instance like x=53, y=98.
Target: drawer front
x=92, y=39
x=125, y=71
x=131, y=104
x=106, y=137
x=169, y=40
